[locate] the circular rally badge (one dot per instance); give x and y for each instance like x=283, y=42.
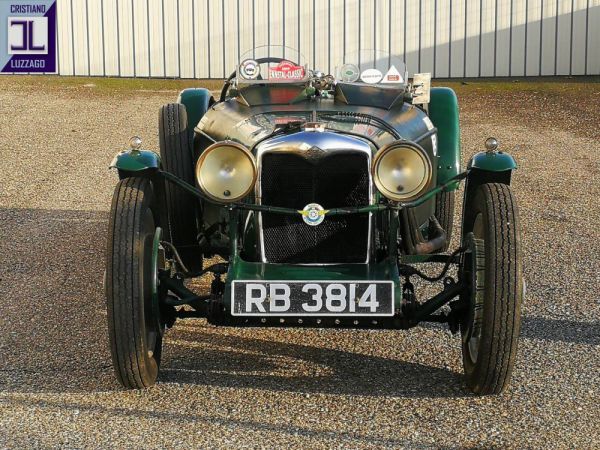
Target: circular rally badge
x=349, y=73
x=249, y=69
x=371, y=76
x=313, y=214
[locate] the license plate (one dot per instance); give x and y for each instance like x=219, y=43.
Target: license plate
x=312, y=298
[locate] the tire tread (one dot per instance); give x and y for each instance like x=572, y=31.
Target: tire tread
x=122, y=287
x=492, y=373
x=444, y=213
x=176, y=157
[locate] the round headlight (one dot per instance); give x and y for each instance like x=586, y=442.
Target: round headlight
x=401, y=171
x=226, y=171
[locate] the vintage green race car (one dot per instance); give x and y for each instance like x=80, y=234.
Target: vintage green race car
x=316, y=197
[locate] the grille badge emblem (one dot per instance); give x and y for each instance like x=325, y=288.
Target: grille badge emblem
x=314, y=154
x=313, y=214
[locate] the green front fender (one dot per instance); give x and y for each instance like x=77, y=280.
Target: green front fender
x=490, y=167
x=492, y=162
x=485, y=167
x=196, y=102
x=443, y=112
x=129, y=161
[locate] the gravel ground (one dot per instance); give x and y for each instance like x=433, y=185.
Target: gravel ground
x=274, y=387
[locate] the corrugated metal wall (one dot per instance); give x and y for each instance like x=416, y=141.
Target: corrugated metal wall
x=450, y=38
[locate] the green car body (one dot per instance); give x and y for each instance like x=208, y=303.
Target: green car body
x=443, y=112
x=313, y=202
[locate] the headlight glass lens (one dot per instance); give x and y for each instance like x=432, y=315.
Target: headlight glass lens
x=226, y=171
x=401, y=171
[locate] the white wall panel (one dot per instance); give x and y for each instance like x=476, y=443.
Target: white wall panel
x=487, y=38
x=306, y=28
x=426, y=40
x=441, y=35
x=321, y=35
x=96, y=58
x=204, y=38
x=517, y=52
x=186, y=39
x=412, y=30
x=563, y=37
x=64, y=34
x=290, y=23
x=111, y=45
x=79, y=10
x=231, y=30
x=549, y=33
x=503, y=38
x=473, y=45
x=337, y=34
x=126, y=35
x=457, y=38
x=533, y=32
x=352, y=34
x=593, y=54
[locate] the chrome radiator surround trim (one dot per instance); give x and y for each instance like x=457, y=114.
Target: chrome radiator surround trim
x=301, y=143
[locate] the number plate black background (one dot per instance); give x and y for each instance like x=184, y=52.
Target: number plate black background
x=384, y=291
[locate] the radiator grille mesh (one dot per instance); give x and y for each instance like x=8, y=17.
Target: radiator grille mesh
x=293, y=181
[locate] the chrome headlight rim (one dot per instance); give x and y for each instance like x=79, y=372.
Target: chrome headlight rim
x=246, y=152
x=427, y=166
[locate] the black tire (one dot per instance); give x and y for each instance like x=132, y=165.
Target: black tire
x=177, y=158
x=134, y=334
x=444, y=213
x=490, y=329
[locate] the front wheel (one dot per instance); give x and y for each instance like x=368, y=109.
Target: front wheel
x=134, y=325
x=492, y=268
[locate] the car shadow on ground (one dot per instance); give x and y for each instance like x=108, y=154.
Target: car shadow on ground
x=211, y=358
x=561, y=330
x=552, y=330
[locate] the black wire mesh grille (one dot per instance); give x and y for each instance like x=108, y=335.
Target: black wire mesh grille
x=335, y=180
